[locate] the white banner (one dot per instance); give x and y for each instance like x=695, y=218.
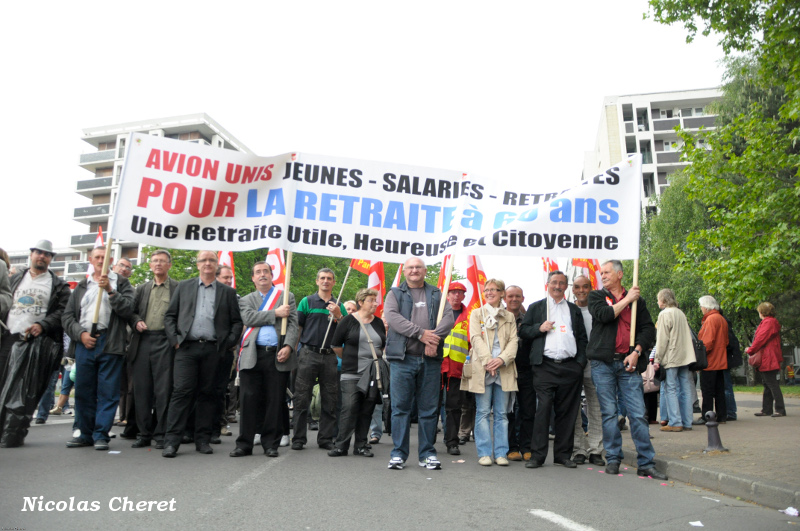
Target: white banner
x=182, y=195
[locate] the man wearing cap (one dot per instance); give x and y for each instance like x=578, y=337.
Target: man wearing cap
x=38, y=298
x=127, y=411
x=456, y=348
x=99, y=351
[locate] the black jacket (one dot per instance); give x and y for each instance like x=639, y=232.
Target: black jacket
x=59, y=295
x=604, y=329
x=535, y=316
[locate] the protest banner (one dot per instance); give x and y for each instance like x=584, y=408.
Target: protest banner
x=188, y=196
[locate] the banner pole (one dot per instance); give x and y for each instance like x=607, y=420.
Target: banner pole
x=285, y=321
x=330, y=317
x=446, y=287
x=635, y=303
x=103, y=271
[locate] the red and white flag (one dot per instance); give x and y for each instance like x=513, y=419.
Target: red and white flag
x=98, y=242
x=377, y=281
x=278, y=266
x=549, y=265
x=398, y=277
x=226, y=258
x=448, y=259
x=592, y=269
x=476, y=279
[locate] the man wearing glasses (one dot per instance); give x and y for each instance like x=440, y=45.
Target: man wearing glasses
x=414, y=347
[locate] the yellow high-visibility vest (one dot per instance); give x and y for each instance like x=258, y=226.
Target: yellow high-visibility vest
x=456, y=344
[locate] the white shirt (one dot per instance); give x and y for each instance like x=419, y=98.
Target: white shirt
x=560, y=344
x=30, y=302
x=90, y=299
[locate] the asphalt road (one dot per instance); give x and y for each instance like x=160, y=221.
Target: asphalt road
x=309, y=490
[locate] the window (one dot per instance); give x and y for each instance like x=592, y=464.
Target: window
x=698, y=111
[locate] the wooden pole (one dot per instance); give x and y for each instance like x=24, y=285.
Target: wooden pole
x=103, y=271
x=285, y=322
x=635, y=303
x=446, y=287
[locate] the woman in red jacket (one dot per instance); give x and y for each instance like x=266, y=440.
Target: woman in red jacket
x=768, y=341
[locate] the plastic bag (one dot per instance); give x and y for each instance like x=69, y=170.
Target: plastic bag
x=30, y=366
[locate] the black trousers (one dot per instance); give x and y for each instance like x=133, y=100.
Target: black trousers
x=526, y=400
x=558, y=387
x=194, y=373
x=712, y=386
x=262, y=394
x=772, y=391
x=313, y=366
x=355, y=416
x=152, y=384
x=220, y=390
x=453, y=401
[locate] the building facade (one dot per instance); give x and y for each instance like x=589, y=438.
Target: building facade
x=645, y=124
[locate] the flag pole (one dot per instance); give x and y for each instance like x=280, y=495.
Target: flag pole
x=285, y=321
x=446, y=287
x=635, y=303
x=103, y=271
x=330, y=317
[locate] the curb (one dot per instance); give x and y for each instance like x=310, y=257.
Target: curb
x=768, y=493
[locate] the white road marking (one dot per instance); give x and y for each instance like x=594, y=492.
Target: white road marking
x=244, y=480
x=562, y=521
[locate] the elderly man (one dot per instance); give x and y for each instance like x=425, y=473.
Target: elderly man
x=520, y=422
x=714, y=335
x=38, y=299
x=150, y=352
x=414, y=348
x=587, y=443
x=617, y=367
x=201, y=323
x=558, y=355
x=99, y=359
x=265, y=361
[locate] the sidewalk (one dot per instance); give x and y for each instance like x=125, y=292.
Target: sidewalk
x=761, y=466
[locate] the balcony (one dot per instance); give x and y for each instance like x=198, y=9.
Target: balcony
x=699, y=121
x=668, y=157
x=83, y=241
x=77, y=268
x=92, y=213
x=667, y=124
x=89, y=187
x=98, y=159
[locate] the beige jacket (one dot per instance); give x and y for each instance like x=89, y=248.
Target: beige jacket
x=481, y=352
x=674, y=346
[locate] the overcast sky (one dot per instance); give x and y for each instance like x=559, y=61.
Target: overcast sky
x=496, y=89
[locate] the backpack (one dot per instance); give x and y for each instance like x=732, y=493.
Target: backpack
x=734, y=349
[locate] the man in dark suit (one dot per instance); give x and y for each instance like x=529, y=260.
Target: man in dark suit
x=265, y=362
x=558, y=356
x=150, y=352
x=202, y=322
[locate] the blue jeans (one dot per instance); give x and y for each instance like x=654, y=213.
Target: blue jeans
x=730, y=400
x=97, y=378
x=678, y=391
x=494, y=398
x=420, y=377
x=48, y=398
x=609, y=378
x=376, y=426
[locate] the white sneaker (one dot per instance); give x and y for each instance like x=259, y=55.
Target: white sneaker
x=285, y=440
x=431, y=463
x=397, y=463
x=257, y=439
x=76, y=433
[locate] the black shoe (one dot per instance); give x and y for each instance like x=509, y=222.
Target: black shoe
x=271, y=452
x=579, y=459
x=159, y=445
x=730, y=419
x=566, y=463
x=187, y=440
x=453, y=450
x=169, y=451
x=612, y=468
x=77, y=442
x=326, y=446
x=297, y=445
x=621, y=423
x=40, y=421
x=596, y=459
x=463, y=440
x=240, y=452
x=215, y=440
x=651, y=472
x=698, y=422
x=204, y=448
x=128, y=436
x=533, y=464
x=364, y=452
x=313, y=425
x=141, y=443
x=337, y=452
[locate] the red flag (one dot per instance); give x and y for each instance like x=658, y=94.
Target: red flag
x=98, y=242
x=377, y=281
x=278, y=266
x=448, y=258
x=592, y=267
x=226, y=258
x=476, y=279
x=549, y=265
x=398, y=277
x=360, y=265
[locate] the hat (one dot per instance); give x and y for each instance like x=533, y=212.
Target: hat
x=455, y=286
x=46, y=246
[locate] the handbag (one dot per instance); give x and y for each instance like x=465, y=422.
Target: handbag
x=755, y=360
x=651, y=384
x=700, y=354
x=377, y=390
